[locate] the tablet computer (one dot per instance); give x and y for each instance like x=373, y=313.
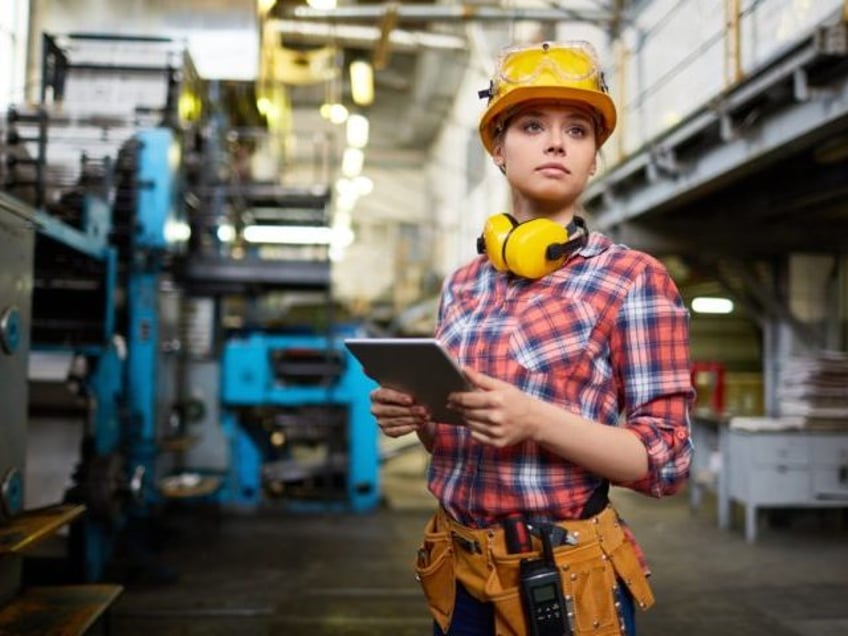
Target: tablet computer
x=420, y=367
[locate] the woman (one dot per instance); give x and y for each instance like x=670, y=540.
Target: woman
x=578, y=350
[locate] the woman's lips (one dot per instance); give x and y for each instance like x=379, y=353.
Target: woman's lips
x=553, y=168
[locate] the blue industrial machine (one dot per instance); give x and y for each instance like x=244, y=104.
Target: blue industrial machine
x=297, y=414
x=151, y=190
x=102, y=246
x=115, y=346
x=294, y=404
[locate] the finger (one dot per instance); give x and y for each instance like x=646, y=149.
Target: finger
x=390, y=396
x=398, y=431
x=399, y=426
x=483, y=381
x=389, y=411
x=472, y=400
x=493, y=436
x=482, y=434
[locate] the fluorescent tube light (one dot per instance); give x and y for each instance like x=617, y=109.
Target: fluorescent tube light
x=352, y=162
x=712, y=305
x=226, y=233
x=288, y=234
x=356, y=131
x=336, y=113
x=361, y=82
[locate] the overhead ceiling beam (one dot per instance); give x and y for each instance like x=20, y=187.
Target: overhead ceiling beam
x=366, y=37
x=449, y=13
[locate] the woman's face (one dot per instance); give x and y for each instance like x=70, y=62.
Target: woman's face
x=548, y=153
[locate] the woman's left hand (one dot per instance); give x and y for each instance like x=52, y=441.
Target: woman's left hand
x=497, y=413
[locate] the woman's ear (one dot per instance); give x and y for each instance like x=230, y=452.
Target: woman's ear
x=498, y=158
x=593, y=168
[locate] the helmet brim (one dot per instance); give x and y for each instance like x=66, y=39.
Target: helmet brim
x=601, y=102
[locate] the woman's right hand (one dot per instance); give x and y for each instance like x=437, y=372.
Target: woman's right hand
x=397, y=413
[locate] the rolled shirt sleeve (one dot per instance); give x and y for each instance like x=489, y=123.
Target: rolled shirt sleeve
x=651, y=342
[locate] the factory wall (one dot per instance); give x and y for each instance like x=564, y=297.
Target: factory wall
x=677, y=55
x=14, y=16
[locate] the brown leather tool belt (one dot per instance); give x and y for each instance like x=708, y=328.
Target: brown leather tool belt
x=591, y=567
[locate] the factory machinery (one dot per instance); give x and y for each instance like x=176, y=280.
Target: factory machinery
x=294, y=402
x=169, y=357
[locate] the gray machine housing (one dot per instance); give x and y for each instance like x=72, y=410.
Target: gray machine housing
x=16, y=254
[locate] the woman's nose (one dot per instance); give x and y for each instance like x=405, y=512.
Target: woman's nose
x=556, y=142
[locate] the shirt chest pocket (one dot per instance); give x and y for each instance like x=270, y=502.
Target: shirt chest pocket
x=552, y=335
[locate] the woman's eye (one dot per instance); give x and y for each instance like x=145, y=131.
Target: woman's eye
x=532, y=126
x=577, y=131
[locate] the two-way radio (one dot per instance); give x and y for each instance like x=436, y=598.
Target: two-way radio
x=541, y=586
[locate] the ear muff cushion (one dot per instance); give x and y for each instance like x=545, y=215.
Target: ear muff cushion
x=495, y=233
x=525, y=247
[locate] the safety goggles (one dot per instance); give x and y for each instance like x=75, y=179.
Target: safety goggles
x=572, y=63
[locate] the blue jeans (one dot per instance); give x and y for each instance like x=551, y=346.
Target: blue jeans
x=473, y=618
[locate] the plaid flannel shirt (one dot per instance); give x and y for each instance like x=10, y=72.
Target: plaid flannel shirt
x=606, y=337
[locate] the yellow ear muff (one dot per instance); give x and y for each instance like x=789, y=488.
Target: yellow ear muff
x=526, y=248
x=495, y=233
x=531, y=249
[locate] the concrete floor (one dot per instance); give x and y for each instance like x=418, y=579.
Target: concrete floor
x=351, y=574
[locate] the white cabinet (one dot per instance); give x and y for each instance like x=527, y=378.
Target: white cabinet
x=762, y=469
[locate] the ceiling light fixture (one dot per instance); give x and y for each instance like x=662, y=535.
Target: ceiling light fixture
x=357, y=131
x=288, y=234
x=336, y=113
x=352, y=162
x=362, y=82
x=322, y=5
x=226, y=233
x=363, y=186
x=712, y=305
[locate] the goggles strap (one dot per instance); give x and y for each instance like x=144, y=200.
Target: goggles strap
x=487, y=93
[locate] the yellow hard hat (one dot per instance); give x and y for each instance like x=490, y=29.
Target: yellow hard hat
x=548, y=71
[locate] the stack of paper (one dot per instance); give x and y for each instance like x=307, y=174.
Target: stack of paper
x=815, y=387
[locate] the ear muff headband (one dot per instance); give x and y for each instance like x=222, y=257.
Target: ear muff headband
x=531, y=249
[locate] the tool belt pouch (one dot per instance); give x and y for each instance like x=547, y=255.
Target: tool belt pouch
x=588, y=587
x=434, y=570
x=590, y=573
